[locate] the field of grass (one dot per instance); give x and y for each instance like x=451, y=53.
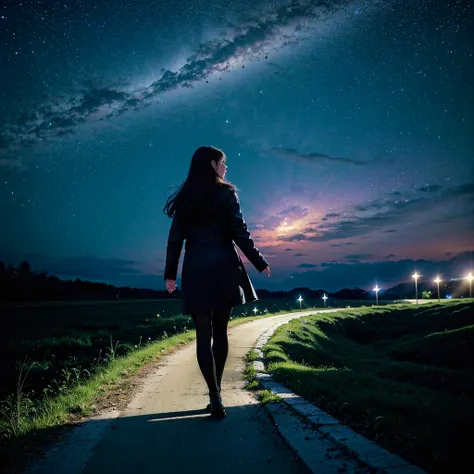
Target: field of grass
x=68, y=338
x=400, y=375
x=80, y=358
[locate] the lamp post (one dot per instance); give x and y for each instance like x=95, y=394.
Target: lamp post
x=416, y=276
x=469, y=278
x=325, y=298
x=300, y=300
x=255, y=310
x=376, y=289
x=437, y=281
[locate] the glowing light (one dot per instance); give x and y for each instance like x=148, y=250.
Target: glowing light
x=255, y=310
x=437, y=280
x=376, y=289
x=324, y=298
x=416, y=276
x=469, y=278
x=300, y=299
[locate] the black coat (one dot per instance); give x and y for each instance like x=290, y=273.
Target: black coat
x=213, y=274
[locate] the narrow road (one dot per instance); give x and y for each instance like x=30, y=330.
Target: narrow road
x=166, y=429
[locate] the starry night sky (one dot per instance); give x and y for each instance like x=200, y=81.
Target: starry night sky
x=347, y=125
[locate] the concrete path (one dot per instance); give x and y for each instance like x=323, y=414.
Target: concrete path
x=166, y=429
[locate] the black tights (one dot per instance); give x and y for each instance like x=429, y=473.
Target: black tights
x=211, y=360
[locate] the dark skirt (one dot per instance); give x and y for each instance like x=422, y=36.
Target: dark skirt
x=214, y=277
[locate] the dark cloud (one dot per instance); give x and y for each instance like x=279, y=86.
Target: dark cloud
x=306, y=265
x=332, y=214
x=292, y=238
x=463, y=190
x=359, y=256
x=294, y=212
x=389, y=231
x=288, y=250
x=390, y=255
x=430, y=188
x=314, y=157
x=300, y=255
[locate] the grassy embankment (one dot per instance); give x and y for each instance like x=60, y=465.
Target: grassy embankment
x=79, y=359
x=401, y=376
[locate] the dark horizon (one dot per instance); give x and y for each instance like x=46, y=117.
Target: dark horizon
x=454, y=269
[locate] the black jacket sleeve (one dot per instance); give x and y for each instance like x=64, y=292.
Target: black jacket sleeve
x=173, y=250
x=240, y=234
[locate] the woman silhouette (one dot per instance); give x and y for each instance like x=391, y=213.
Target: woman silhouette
x=206, y=213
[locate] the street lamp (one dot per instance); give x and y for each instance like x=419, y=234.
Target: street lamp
x=325, y=298
x=469, y=278
x=437, y=281
x=416, y=276
x=377, y=289
x=255, y=310
x=300, y=300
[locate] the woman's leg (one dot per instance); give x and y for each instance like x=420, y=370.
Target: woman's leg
x=220, y=344
x=205, y=357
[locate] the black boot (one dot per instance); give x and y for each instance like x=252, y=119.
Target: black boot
x=208, y=407
x=216, y=407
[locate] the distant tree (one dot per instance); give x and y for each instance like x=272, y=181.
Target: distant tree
x=351, y=294
x=24, y=270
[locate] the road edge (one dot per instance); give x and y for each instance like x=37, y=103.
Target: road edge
x=365, y=451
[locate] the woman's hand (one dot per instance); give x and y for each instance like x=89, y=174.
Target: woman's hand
x=170, y=285
x=267, y=270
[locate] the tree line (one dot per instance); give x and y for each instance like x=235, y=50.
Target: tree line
x=21, y=283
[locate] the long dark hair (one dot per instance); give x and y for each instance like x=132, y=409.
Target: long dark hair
x=195, y=198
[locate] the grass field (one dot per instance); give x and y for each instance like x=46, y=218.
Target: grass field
x=400, y=375
x=77, y=355
x=65, y=339
x=81, y=358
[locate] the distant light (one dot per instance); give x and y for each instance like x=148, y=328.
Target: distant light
x=255, y=310
x=300, y=299
x=469, y=277
x=448, y=297
x=376, y=289
x=438, y=279
x=415, y=275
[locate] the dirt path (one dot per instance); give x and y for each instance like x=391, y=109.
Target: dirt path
x=166, y=429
